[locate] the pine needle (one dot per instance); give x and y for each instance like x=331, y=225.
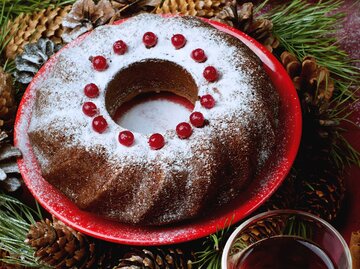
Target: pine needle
x=344, y=153
x=9, y=66
x=29, y=6
x=210, y=256
x=15, y=221
x=309, y=29
x=4, y=30
x=298, y=227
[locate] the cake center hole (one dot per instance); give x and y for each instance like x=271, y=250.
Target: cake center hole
x=153, y=112
x=151, y=96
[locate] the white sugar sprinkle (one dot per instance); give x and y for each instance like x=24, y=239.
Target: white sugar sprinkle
x=153, y=116
x=61, y=97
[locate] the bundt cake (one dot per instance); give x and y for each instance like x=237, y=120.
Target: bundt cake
x=153, y=179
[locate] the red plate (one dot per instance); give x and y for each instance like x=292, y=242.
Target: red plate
x=257, y=192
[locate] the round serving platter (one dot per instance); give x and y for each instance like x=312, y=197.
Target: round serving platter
x=260, y=189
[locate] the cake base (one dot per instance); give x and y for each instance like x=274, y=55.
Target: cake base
x=257, y=191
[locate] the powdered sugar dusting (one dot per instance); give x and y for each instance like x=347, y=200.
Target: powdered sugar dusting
x=235, y=94
x=77, y=69
x=154, y=116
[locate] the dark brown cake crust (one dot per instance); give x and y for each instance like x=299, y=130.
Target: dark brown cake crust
x=159, y=190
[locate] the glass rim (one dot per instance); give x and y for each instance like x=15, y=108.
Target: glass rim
x=276, y=212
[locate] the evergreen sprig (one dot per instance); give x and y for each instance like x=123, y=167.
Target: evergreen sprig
x=4, y=30
x=343, y=153
x=210, y=255
x=15, y=221
x=15, y=8
x=5, y=15
x=310, y=29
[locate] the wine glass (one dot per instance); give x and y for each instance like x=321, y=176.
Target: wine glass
x=286, y=239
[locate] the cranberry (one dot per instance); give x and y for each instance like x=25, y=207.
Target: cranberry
x=99, y=63
x=183, y=130
x=197, y=119
x=99, y=124
x=210, y=73
x=156, y=141
x=207, y=101
x=198, y=55
x=91, y=90
x=126, y=138
x=120, y=47
x=89, y=109
x=178, y=41
x=149, y=39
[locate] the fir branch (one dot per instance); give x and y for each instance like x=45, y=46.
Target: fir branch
x=210, y=256
x=9, y=66
x=309, y=29
x=298, y=227
x=344, y=153
x=15, y=8
x=260, y=7
x=15, y=221
x=4, y=30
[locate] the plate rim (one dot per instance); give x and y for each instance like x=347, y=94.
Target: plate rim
x=175, y=233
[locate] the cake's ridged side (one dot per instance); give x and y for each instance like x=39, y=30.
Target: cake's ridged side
x=177, y=182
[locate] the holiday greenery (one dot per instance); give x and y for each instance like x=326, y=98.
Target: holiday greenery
x=15, y=221
x=301, y=35
x=310, y=30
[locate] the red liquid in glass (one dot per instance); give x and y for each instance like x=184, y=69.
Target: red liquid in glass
x=284, y=253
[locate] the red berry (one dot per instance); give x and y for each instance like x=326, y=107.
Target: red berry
x=99, y=63
x=207, y=101
x=91, y=90
x=197, y=119
x=120, y=47
x=156, y=141
x=178, y=41
x=198, y=55
x=99, y=124
x=183, y=130
x=89, y=109
x=210, y=73
x=149, y=39
x=126, y=138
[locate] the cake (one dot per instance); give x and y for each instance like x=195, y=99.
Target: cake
x=153, y=179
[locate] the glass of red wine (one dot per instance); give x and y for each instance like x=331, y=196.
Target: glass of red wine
x=286, y=239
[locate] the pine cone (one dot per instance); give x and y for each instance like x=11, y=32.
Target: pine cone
x=9, y=171
x=155, y=258
x=309, y=77
x=285, y=197
x=59, y=246
x=85, y=16
x=201, y=8
x=261, y=230
x=241, y=17
x=227, y=15
x=32, y=59
x=7, y=102
x=319, y=185
x=29, y=28
x=315, y=89
x=322, y=190
x=291, y=64
x=128, y=8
